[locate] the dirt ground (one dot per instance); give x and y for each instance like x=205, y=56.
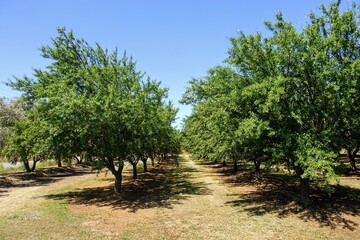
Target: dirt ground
x=19, y=188
x=188, y=200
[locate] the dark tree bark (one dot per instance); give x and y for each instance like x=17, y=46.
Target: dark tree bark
x=59, y=162
x=27, y=166
x=352, y=155
x=235, y=166
x=152, y=161
x=304, y=190
x=79, y=159
x=134, y=170
x=304, y=187
x=224, y=163
x=257, y=167
x=35, y=160
x=145, y=164
x=352, y=162
x=117, y=173
x=118, y=180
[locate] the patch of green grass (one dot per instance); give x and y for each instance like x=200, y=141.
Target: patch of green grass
x=58, y=209
x=45, y=164
x=48, y=219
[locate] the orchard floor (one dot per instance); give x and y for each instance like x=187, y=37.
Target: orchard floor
x=187, y=200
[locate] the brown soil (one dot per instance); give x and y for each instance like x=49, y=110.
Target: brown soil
x=16, y=189
x=198, y=201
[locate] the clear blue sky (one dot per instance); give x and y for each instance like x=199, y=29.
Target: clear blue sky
x=172, y=41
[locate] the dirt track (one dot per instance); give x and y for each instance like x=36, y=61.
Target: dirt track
x=187, y=202
x=18, y=194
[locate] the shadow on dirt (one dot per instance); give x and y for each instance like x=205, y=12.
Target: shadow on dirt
x=162, y=187
x=41, y=177
x=3, y=193
x=336, y=206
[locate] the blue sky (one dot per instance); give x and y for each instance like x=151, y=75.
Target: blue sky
x=172, y=41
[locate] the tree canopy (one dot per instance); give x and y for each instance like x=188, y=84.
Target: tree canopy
x=286, y=97
x=89, y=101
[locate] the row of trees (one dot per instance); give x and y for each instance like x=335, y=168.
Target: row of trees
x=286, y=97
x=88, y=103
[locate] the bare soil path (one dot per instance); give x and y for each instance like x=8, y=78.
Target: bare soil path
x=194, y=203
x=18, y=196
x=190, y=201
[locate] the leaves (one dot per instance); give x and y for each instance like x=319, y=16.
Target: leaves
x=90, y=101
x=289, y=97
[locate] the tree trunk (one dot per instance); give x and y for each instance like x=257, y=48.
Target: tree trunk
x=352, y=156
x=134, y=170
x=27, y=166
x=59, y=162
x=79, y=159
x=224, y=163
x=257, y=167
x=352, y=162
x=117, y=173
x=304, y=190
x=152, y=161
x=235, y=166
x=118, y=180
x=144, y=164
x=34, y=164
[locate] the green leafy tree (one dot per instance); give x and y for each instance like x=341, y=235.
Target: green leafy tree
x=11, y=111
x=28, y=143
x=342, y=34
x=91, y=101
x=210, y=131
x=290, y=73
x=294, y=98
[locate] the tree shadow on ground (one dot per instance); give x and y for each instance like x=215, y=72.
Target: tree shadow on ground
x=41, y=177
x=279, y=193
x=3, y=193
x=161, y=187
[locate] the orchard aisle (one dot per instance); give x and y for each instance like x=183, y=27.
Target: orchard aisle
x=207, y=214
x=187, y=200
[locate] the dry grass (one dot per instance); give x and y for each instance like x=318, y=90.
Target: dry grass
x=25, y=214
x=188, y=201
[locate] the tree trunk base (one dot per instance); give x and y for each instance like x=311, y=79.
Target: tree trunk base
x=353, y=163
x=305, y=191
x=145, y=165
x=235, y=167
x=27, y=166
x=117, y=186
x=134, y=171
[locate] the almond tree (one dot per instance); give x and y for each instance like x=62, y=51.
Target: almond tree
x=89, y=100
x=295, y=99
